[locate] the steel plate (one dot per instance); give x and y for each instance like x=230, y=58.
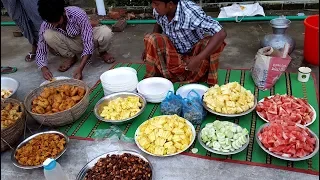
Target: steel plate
x=81, y=175
x=14, y=160
x=286, y=158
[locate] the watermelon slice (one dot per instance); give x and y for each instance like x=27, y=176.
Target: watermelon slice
x=273, y=109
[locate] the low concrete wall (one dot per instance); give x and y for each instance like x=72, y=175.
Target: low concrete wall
x=208, y=5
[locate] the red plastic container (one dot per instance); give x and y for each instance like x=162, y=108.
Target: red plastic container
x=311, y=39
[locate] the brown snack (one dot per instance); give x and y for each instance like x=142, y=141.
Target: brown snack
x=38, y=149
x=57, y=99
x=10, y=114
x=120, y=167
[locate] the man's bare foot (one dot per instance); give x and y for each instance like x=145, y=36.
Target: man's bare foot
x=107, y=58
x=67, y=64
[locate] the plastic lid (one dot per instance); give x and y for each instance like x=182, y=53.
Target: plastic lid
x=49, y=164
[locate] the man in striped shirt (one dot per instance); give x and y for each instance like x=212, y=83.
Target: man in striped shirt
x=179, y=48
x=66, y=31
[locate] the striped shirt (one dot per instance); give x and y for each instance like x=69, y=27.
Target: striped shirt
x=78, y=23
x=188, y=26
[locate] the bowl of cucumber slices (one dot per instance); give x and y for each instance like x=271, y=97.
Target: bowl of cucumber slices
x=224, y=137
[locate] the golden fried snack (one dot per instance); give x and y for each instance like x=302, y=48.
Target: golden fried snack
x=51, y=99
x=10, y=114
x=45, y=93
x=57, y=99
x=37, y=150
x=76, y=98
x=74, y=91
x=43, y=102
x=81, y=92
x=39, y=110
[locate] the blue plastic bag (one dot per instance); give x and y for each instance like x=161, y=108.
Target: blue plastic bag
x=171, y=105
x=192, y=108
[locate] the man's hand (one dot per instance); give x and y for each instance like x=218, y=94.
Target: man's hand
x=77, y=74
x=194, y=64
x=46, y=73
x=143, y=56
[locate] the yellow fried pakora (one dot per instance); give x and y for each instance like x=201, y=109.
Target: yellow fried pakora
x=10, y=114
x=37, y=150
x=57, y=99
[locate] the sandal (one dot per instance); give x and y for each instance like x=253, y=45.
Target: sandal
x=8, y=70
x=107, y=58
x=30, y=57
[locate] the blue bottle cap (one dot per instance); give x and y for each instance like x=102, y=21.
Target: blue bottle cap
x=49, y=164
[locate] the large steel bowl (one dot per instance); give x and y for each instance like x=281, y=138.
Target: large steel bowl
x=167, y=155
x=229, y=115
x=105, y=100
x=288, y=158
x=16, y=163
x=83, y=172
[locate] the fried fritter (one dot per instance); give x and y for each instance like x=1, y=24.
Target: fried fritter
x=37, y=150
x=10, y=114
x=57, y=99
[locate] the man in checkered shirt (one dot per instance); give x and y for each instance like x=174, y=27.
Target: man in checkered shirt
x=67, y=31
x=185, y=44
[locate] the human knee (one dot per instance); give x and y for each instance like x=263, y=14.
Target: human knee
x=151, y=37
x=103, y=33
x=50, y=36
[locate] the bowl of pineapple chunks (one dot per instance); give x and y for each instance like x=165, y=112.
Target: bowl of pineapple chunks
x=165, y=135
x=229, y=100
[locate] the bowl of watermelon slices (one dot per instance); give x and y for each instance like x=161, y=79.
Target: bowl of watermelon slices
x=287, y=141
x=286, y=108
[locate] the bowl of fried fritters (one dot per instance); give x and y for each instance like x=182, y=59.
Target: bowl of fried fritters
x=34, y=150
x=12, y=122
x=58, y=103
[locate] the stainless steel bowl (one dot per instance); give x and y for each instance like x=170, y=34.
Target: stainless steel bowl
x=105, y=100
x=220, y=152
x=230, y=115
x=82, y=174
x=167, y=155
x=16, y=163
x=286, y=158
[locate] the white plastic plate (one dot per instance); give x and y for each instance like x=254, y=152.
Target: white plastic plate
x=118, y=76
x=54, y=79
x=154, y=86
x=199, y=88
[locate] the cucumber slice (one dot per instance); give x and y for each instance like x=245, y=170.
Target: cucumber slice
x=225, y=150
x=229, y=134
x=234, y=129
x=216, y=144
x=239, y=129
x=194, y=150
x=227, y=147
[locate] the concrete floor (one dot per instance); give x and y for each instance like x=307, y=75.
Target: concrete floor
x=243, y=42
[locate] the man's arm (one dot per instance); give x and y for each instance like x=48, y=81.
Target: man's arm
x=199, y=20
x=213, y=45
x=42, y=53
x=88, y=46
x=157, y=28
